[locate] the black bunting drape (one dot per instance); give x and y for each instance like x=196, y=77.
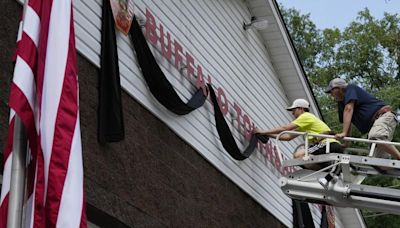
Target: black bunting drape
x=110, y=118
x=225, y=134
x=158, y=84
x=302, y=217
x=324, y=218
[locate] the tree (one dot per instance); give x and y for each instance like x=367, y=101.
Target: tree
x=391, y=39
x=362, y=57
x=305, y=36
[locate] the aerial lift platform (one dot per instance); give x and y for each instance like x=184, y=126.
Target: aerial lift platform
x=340, y=183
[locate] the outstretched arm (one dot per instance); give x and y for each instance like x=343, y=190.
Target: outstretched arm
x=275, y=131
x=347, y=115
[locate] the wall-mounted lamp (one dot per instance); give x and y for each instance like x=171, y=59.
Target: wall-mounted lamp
x=257, y=23
x=141, y=21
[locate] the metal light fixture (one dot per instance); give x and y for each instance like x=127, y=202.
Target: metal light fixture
x=257, y=23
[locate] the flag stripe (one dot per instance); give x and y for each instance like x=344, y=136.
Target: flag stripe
x=24, y=80
x=69, y=202
x=39, y=216
x=19, y=35
x=42, y=47
x=35, y=5
x=66, y=115
x=53, y=80
x=71, y=208
x=5, y=187
x=38, y=197
x=32, y=25
x=12, y=114
x=29, y=54
x=20, y=102
x=28, y=212
x=4, y=211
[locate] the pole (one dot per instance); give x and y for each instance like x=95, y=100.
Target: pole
x=17, y=187
x=19, y=151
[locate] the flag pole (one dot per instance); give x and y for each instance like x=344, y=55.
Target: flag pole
x=18, y=173
x=17, y=187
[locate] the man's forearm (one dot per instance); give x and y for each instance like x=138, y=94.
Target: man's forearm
x=276, y=130
x=347, y=115
x=346, y=122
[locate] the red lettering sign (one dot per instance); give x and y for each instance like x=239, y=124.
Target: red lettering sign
x=151, y=27
x=223, y=105
x=189, y=65
x=238, y=114
x=178, y=56
x=165, y=51
x=277, y=161
x=247, y=127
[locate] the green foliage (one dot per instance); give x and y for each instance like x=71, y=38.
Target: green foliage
x=369, y=58
x=378, y=219
x=304, y=34
x=366, y=52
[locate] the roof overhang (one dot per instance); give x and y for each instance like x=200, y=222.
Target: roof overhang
x=283, y=55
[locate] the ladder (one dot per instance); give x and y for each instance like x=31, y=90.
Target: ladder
x=340, y=183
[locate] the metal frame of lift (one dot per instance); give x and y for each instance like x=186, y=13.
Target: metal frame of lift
x=344, y=189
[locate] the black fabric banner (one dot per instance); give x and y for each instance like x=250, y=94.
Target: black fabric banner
x=225, y=134
x=110, y=117
x=324, y=218
x=158, y=84
x=302, y=217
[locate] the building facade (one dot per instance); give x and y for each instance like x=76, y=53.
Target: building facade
x=172, y=171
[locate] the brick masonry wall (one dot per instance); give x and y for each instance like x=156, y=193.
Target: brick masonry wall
x=152, y=178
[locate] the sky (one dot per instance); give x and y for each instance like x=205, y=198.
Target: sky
x=339, y=13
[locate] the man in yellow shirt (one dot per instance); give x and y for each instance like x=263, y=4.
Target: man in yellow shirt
x=304, y=122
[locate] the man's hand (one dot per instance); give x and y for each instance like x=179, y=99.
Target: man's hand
x=257, y=131
x=340, y=135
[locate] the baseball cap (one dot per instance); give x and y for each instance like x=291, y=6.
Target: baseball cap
x=299, y=103
x=336, y=82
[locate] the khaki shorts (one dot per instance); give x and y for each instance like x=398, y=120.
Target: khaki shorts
x=383, y=129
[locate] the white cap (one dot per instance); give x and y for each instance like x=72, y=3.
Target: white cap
x=336, y=82
x=299, y=103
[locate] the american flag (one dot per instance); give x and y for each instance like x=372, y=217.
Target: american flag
x=44, y=94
